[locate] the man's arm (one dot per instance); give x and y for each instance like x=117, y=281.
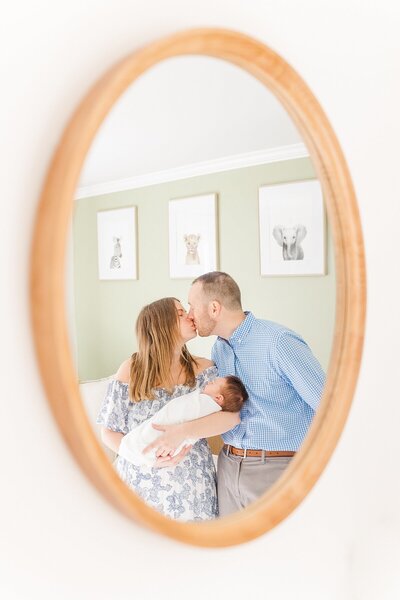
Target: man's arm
x=174, y=435
x=178, y=410
x=296, y=363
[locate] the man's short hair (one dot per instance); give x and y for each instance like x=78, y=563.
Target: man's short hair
x=221, y=287
x=234, y=394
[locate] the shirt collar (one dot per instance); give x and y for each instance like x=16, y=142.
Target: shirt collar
x=242, y=330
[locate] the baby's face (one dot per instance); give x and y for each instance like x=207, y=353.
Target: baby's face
x=214, y=389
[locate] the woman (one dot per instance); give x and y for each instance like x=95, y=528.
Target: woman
x=163, y=369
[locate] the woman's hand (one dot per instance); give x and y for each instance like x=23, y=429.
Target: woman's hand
x=166, y=444
x=173, y=435
x=171, y=461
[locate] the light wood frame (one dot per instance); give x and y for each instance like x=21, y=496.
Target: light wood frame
x=48, y=285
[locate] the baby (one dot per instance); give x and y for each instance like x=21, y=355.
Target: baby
x=224, y=393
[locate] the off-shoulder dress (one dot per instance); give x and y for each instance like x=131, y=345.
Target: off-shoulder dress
x=186, y=492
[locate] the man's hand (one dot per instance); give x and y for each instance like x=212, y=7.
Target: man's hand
x=166, y=444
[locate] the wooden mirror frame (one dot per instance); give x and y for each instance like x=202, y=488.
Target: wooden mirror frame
x=48, y=285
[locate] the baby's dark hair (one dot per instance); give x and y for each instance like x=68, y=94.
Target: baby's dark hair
x=234, y=394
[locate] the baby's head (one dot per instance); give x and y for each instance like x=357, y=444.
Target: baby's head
x=229, y=392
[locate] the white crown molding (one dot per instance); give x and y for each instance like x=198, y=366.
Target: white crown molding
x=228, y=163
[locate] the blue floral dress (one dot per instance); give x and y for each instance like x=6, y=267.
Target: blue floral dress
x=185, y=492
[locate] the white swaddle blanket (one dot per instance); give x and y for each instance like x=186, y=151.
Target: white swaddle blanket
x=178, y=410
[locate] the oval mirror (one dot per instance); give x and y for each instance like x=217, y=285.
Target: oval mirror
x=203, y=152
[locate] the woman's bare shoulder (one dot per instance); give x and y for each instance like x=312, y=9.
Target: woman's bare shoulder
x=202, y=364
x=124, y=371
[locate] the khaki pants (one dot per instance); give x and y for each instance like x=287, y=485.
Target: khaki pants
x=240, y=480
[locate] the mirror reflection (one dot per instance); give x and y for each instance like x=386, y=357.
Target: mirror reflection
x=201, y=288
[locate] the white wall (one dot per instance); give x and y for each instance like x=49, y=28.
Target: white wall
x=184, y=111
x=59, y=538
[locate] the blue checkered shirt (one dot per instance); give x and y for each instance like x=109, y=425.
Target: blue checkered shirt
x=283, y=378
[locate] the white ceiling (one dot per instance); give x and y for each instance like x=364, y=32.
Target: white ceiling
x=184, y=111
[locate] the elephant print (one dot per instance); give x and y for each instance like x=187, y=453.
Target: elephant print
x=115, y=262
x=192, y=254
x=290, y=239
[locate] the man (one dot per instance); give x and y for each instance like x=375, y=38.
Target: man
x=282, y=377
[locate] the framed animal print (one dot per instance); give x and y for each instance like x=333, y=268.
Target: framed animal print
x=192, y=236
x=117, y=243
x=292, y=229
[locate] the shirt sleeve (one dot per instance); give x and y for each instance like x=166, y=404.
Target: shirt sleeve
x=114, y=411
x=298, y=366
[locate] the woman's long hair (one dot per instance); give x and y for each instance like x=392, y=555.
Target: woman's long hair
x=158, y=336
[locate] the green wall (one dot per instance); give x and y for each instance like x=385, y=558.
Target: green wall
x=105, y=311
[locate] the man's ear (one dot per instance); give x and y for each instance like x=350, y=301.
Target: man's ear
x=214, y=308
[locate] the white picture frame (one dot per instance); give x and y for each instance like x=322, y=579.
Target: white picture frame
x=292, y=229
x=117, y=243
x=192, y=236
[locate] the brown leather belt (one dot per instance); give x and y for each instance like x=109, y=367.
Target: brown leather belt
x=245, y=453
